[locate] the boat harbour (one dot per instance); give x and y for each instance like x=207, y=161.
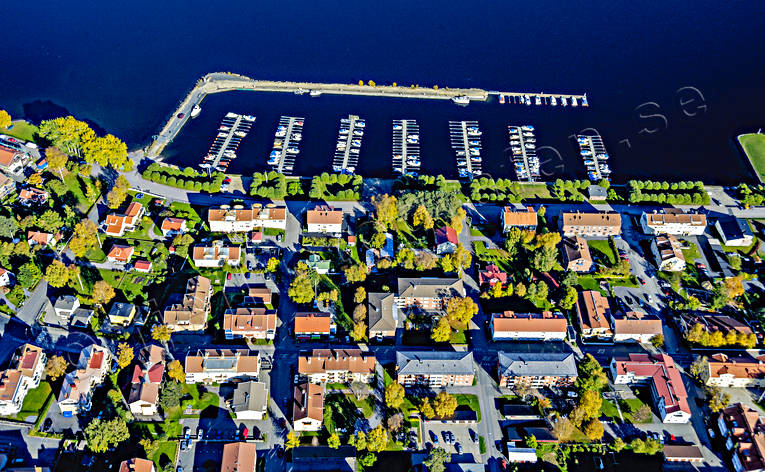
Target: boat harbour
x=406, y=147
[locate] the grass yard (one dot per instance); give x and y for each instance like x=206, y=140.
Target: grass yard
x=603, y=249
x=471, y=401
x=167, y=449
x=96, y=254
x=34, y=401
x=587, y=282
x=500, y=257
x=692, y=253
x=20, y=129
x=608, y=408
x=531, y=191
x=754, y=148
x=74, y=185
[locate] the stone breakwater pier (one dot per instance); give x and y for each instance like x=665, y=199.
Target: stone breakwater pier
x=224, y=82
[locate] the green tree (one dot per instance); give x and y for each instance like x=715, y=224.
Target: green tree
x=57, y=274
x=427, y=409
x=84, y=238
x=100, y=435
x=28, y=275
x=588, y=408
x=170, y=394
x=5, y=119
x=377, y=439
x=367, y=459
x=301, y=289
x=57, y=160
x=593, y=429
x=618, y=444
x=272, y=265
x=658, y=341
x=125, y=355
x=436, y=460
x=422, y=218
x=544, y=258
x=461, y=309
x=386, y=210
x=441, y=331
x=360, y=296
x=394, y=395
x=591, y=375
x=50, y=221
x=356, y=273
x=8, y=227
x=333, y=441
x=569, y=299
x=444, y=404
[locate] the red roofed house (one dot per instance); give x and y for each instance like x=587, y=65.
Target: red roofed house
x=491, y=276
x=11, y=160
x=120, y=254
x=118, y=224
x=143, y=266
x=663, y=378
x=173, y=226
x=137, y=465
x=147, y=377
x=314, y=325
x=744, y=430
x=446, y=240
x=26, y=370
x=32, y=195
x=545, y=326
x=39, y=238
x=522, y=219
x=5, y=277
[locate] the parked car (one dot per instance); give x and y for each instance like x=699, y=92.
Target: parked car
x=458, y=448
x=186, y=432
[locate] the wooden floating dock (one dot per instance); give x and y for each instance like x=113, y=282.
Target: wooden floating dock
x=222, y=82
x=348, y=146
x=466, y=141
x=594, y=155
x=287, y=138
x=406, y=147
x=524, y=155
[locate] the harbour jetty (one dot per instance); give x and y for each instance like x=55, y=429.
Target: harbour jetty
x=594, y=155
x=287, y=139
x=348, y=145
x=218, y=82
x=406, y=147
x=465, y=137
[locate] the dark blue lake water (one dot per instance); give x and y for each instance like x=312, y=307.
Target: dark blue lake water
x=125, y=65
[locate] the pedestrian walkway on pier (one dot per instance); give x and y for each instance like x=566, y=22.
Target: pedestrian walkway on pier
x=406, y=147
x=287, y=138
x=233, y=128
x=524, y=155
x=466, y=141
x=594, y=155
x=348, y=145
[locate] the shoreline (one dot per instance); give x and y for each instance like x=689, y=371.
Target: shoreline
x=756, y=158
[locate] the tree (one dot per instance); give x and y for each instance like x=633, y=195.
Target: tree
x=301, y=289
x=356, y=273
x=175, y=371
x=5, y=119
x=699, y=369
x=591, y=375
x=56, y=367
x=436, y=460
x=28, y=275
x=618, y=444
x=359, y=440
x=359, y=332
x=569, y=299
x=118, y=193
x=34, y=179
x=57, y=274
x=360, y=390
x=56, y=160
x=360, y=312
x=718, y=400
x=378, y=240
x=100, y=435
x=461, y=309
x=422, y=218
x=593, y=429
x=427, y=409
x=544, y=258
x=84, y=238
x=657, y=341
x=458, y=220
x=8, y=227
x=588, y=408
x=520, y=289
x=377, y=439
x=333, y=441
x=367, y=459
x=360, y=295
x=461, y=258
x=170, y=394
x=394, y=395
x=386, y=210
x=441, y=331
x=125, y=355
x=102, y=292
x=292, y=441
x=273, y=265
x=395, y=422
x=444, y=404
x=161, y=333
x=50, y=221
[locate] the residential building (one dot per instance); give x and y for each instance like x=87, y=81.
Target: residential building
x=662, y=376
x=711, y=322
x=576, y=254
x=30, y=195
x=7, y=186
x=308, y=407
x=446, y=240
x=172, y=227
x=593, y=313
x=740, y=372
x=492, y=276
x=137, y=465
x=667, y=254
x=250, y=401
x=435, y=369
x=77, y=389
x=682, y=453
x=143, y=266
x=511, y=326
x=11, y=160
x=734, y=231
x=122, y=314
x=222, y=365
x=383, y=315
x=314, y=325
x=26, y=370
x=239, y=457
x=117, y=224
x=239, y=220
x=40, y=238
x=324, y=219
x=323, y=459
x=259, y=296
x=216, y=255
x=120, y=254
x=536, y=370
x=81, y=318
x=316, y=263
x=65, y=307
x=337, y=366
x=428, y=293
x=675, y=222
x=188, y=312
x=6, y=277
x=595, y=224
x=521, y=219
x=252, y=323
x=635, y=326
x=143, y=398
x=744, y=431
x=596, y=192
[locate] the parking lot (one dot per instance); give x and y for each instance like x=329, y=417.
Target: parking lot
x=201, y=456
x=462, y=435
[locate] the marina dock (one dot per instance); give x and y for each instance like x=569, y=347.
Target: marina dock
x=233, y=128
x=223, y=82
x=406, y=147
x=466, y=141
x=348, y=145
x=594, y=155
x=287, y=138
x=524, y=154
x=541, y=98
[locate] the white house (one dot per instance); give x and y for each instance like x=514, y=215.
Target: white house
x=324, y=219
x=250, y=401
x=239, y=219
x=77, y=390
x=511, y=326
x=27, y=367
x=5, y=277
x=734, y=231
x=674, y=222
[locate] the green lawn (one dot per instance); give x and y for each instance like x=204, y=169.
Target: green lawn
x=608, y=408
x=21, y=130
x=754, y=148
x=500, y=257
x=33, y=402
x=74, y=184
x=96, y=254
x=470, y=401
x=164, y=448
x=535, y=191
x=692, y=253
x=602, y=248
x=199, y=401
x=587, y=282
